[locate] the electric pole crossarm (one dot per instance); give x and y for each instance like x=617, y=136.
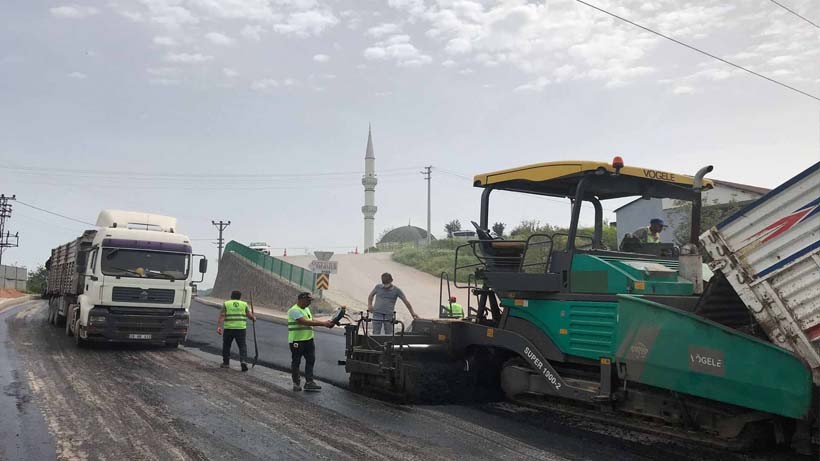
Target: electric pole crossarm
x=221, y=225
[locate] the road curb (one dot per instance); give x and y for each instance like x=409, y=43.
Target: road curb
x=270, y=318
x=267, y=317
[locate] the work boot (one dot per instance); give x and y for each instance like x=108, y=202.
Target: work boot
x=244, y=367
x=224, y=365
x=296, y=387
x=311, y=386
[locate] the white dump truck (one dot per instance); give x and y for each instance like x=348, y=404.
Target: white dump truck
x=769, y=253
x=261, y=247
x=129, y=280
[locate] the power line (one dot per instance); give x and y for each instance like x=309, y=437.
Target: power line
x=201, y=175
x=699, y=50
x=55, y=214
x=795, y=13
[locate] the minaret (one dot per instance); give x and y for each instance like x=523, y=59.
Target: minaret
x=369, y=182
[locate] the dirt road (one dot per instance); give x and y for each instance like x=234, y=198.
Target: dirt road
x=358, y=274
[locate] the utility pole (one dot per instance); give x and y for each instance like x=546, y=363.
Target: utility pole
x=221, y=225
x=428, y=176
x=7, y=240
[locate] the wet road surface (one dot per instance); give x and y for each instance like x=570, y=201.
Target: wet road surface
x=129, y=402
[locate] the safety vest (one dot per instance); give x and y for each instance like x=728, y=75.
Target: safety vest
x=297, y=331
x=236, y=317
x=651, y=238
x=456, y=311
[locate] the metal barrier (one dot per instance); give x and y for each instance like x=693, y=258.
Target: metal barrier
x=300, y=276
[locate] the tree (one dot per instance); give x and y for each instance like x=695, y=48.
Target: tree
x=498, y=229
x=37, y=280
x=452, y=226
x=710, y=216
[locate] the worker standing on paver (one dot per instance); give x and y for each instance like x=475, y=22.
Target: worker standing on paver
x=651, y=234
x=383, y=309
x=300, y=339
x=234, y=316
x=454, y=310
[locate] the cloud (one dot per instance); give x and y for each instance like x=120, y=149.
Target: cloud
x=77, y=75
x=163, y=81
x=398, y=49
x=73, y=11
x=230, y=73
x=534, y=86
x=162, y=71
x=218, y=39
x=165, y=41
x=187, y=58
x=264, y=84
x=383, y=29
x=251, y=10
x=307, y=23
x=252, y=32
x=683, y=89
x=449, y=63
x=321, y=58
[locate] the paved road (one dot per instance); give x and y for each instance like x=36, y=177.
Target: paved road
x=273, y=343
x=130, y=402
x=358, y=274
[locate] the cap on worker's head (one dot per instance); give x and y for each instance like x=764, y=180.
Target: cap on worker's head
x=657, y=221
x=452, y=298
x=236, y=294
x=304, y=295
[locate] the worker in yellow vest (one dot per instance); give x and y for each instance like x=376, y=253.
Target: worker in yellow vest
x=454, y=311
x=300, y=340
x=234, y=316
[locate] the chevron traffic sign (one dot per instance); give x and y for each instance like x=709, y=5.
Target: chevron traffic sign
x=322, y=281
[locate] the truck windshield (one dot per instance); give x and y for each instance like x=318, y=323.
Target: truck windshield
x=145, y=264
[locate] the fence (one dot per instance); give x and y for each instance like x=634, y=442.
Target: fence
x=302, y=277
x=13, y=277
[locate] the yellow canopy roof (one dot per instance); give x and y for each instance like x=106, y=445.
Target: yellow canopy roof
x=560, y=178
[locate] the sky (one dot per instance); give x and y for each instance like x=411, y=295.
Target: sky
x=257, y=111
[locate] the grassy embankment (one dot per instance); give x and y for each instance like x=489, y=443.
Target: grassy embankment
x=437, y=258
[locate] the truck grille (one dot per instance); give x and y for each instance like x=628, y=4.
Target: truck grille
x=138, y=295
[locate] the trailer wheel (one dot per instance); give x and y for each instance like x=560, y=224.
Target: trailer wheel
x=172, y=344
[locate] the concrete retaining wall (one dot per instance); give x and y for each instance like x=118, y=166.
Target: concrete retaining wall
x=13, y=277
x=236, y=273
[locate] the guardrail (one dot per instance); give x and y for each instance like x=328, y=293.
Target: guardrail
x=302, y=277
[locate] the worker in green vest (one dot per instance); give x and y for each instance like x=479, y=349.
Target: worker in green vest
x=652, y=233
x=300, y=340
x=234, y=316
x=454, y=311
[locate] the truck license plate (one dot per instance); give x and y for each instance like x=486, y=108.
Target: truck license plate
x=138, y=336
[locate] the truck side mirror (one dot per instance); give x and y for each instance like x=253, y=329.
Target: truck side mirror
x=203, y=266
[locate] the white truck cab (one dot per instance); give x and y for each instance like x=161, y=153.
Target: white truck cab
x=133, y=283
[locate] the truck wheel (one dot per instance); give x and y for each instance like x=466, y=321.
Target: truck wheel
x=172, y=344
x=78, y=340
x=69, y=322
